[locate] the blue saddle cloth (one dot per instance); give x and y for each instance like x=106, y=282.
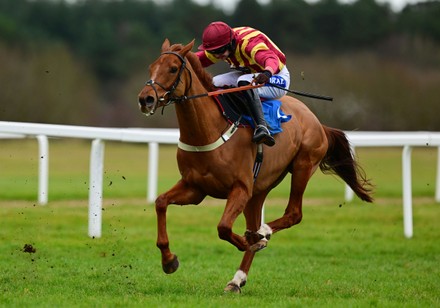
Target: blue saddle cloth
x=273, y=114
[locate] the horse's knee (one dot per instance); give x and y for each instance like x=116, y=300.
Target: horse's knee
x=161, y=199
x=293, y=219
x=297, y=218
x=224, y=232
x=161, y=203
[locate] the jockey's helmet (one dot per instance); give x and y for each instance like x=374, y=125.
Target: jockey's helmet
x=216, y=35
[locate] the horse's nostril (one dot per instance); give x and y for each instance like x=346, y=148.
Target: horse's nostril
x=150, y=100
x=144, y=101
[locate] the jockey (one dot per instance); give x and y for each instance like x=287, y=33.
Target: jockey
x=255, y=59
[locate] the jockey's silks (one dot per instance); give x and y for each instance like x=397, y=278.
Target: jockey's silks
x=254, y=50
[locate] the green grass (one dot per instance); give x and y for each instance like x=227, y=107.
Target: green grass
x=342, y=254
x=354, y=255
x=126, y=166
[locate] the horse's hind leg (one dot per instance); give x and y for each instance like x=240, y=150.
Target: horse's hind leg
x=303, y=169
x=181, y=194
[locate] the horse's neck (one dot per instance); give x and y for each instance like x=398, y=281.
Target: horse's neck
x=200, y=120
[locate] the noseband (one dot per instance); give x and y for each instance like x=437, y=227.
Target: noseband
x=169, y=92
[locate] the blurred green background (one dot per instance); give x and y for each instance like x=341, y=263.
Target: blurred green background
x=84, y=62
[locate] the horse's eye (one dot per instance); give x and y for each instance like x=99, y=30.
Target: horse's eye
x=173, y=70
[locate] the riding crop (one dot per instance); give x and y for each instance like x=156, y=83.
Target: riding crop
x=248, y=87
x=327, y=98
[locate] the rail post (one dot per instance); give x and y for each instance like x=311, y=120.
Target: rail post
x=437, y=185
x=95, y=188
x=153, y=166
x=43, y=169
x=407, y=192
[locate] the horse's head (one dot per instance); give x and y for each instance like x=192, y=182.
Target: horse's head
x=168, y=80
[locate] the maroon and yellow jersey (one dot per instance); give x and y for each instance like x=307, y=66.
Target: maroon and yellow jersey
x=254, y=51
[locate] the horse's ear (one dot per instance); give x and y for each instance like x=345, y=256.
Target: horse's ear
x=166, y=44
x=187, y=48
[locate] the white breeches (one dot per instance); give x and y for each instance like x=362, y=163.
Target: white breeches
x=231, y=79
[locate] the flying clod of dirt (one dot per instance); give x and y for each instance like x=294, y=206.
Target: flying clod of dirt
x=29, y=248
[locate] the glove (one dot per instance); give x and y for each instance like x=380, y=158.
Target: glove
x=263, y=77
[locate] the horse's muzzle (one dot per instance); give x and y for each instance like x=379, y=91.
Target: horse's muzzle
x=147, y=104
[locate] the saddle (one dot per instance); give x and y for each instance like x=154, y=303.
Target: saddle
x=232, y=105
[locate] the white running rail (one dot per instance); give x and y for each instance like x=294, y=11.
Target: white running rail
x=154, y=137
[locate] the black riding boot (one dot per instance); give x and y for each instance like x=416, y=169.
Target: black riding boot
x=261, y=132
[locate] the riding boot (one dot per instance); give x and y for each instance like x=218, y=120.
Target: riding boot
x=261, y=132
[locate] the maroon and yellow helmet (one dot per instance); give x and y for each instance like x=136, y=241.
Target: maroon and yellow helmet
x=216, y=35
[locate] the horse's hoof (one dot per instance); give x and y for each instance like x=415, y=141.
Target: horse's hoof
x=259, y=245
x=232, y=288
x=171, y=266
x=253, y=237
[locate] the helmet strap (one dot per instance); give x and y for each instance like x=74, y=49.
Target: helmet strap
x=233, y=45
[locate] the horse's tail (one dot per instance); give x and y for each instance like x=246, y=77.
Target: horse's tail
x=340, y=160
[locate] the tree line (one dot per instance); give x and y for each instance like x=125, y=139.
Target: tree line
x=111, y=42
x=111, y=36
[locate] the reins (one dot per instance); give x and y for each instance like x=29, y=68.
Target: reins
x=224, y=91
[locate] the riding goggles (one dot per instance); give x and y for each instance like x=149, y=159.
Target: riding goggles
x=220, y=50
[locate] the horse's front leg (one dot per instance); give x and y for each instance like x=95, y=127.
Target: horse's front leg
x=252, y=213
x=181, y=194
x=237, y=199
x=240, y=277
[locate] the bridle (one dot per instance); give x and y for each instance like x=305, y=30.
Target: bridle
x=225, y=136
x=168, y=95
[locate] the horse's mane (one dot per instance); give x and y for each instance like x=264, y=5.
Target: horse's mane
x=203, y=75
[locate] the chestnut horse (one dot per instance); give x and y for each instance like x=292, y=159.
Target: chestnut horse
x=223, y=167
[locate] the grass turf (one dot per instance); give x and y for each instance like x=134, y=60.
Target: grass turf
x=342, y=254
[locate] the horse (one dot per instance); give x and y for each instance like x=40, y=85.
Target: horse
x=215, y=162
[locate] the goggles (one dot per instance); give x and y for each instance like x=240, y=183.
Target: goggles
x=220, y=50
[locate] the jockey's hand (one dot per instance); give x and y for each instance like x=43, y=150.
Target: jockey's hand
x=263, y=77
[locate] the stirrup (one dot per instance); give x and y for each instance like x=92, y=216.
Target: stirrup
x=262, y=135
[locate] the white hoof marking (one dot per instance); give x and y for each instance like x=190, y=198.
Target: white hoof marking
x=239, y=279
